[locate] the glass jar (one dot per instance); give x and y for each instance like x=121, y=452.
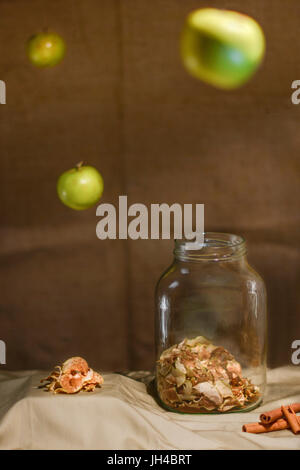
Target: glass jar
x=211, y=329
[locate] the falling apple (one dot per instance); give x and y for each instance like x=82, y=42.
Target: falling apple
x=222, y=47
x=46, y=49
x=81, y=187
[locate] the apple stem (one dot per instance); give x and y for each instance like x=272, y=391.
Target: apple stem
x=79, y=165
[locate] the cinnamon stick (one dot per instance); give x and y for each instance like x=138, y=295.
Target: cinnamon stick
x=258, y=428
x=271, y=416
x=291, y=418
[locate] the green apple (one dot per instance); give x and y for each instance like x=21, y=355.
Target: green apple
x=46, y=49
x=81, y=187
x=222, y=47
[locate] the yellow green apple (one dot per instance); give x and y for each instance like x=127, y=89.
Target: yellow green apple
x=46, y=49
x=80, y=187
x=221, y=47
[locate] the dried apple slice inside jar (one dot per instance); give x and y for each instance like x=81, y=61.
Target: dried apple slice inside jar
x=197, y=376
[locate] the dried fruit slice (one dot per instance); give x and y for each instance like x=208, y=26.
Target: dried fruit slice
x=209, y=391
x=73, y=376
x=74, y=365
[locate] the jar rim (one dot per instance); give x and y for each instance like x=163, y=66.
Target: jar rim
x=217, y=246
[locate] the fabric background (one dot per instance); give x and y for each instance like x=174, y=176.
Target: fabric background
x=122, y=101
x=33, y=419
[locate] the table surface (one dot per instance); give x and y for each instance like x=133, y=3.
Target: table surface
x=122, y=415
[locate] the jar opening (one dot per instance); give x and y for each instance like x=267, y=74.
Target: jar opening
x=216, y=247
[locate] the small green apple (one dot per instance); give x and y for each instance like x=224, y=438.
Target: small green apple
x=81, y=187
x=222, y=47
x=46, y=49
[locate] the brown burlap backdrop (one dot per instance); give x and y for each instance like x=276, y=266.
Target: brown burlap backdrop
x=122, y=101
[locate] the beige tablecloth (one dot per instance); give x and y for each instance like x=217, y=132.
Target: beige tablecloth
x=122, y=415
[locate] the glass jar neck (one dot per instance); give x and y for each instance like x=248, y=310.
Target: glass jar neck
x=216, y=247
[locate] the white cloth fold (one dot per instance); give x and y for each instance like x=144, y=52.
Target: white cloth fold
x=122, y=415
